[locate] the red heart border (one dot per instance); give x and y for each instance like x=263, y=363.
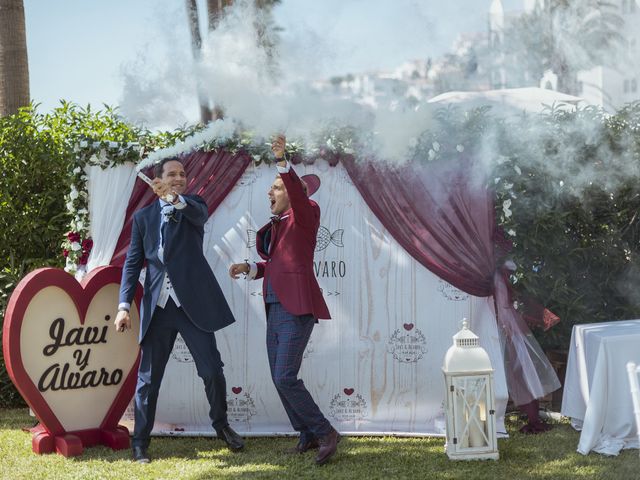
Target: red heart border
x=82, y=294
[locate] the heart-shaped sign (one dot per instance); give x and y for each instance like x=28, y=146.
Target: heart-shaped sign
x=63, y=353
x=348, y=391
x=236, y=390
x=408, y=326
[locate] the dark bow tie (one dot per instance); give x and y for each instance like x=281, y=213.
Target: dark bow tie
x=278, y=218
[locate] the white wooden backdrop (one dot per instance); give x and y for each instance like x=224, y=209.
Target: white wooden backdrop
x=374, y=368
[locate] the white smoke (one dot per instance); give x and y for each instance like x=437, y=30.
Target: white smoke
x=263, y=94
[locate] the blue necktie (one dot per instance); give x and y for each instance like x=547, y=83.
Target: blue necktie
x=167, y=215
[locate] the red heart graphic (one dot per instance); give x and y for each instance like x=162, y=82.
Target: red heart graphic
x=236, y=390
x=63, y=354
x=408, y=326
x=348, y=391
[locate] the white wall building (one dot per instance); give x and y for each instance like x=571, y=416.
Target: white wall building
x=612, y=88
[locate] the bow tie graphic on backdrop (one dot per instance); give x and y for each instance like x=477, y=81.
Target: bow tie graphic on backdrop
x=169, y=213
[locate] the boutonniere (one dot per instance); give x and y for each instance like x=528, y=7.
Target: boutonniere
x=169, y=213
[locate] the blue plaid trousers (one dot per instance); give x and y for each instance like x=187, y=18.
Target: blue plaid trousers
x=287, y=337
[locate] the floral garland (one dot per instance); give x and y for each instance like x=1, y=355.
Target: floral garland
x=228, y=135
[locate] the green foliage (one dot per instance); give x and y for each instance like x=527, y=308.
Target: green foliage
x=569, y=189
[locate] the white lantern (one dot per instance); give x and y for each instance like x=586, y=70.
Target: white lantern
x=471, y=422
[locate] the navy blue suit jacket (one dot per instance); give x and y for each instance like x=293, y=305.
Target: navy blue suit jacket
x=193, y=281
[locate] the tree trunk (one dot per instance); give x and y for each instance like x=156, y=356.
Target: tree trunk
x=215, y=10
x=14, y=66
x=196, y=48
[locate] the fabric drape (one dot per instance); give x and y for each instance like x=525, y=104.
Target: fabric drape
x=110, y=191
x=442, y=213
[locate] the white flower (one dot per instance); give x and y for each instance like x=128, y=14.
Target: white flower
x=83, y=211
x=77, y=170
x=75, y=246
x=505, y=208
x=432, y=154
x=349, y=151
x=511, y=232
x=517, y=169
x=460, y=148
x=73, y=194
x=436, y=146
x=70, y=206
x=561, y=183
x=496, y=180
x=79, y=225
x=508, y=186
x=94, y=158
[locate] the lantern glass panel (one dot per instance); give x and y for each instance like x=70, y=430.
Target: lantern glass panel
x=470, y=399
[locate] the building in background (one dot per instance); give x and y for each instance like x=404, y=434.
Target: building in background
x=612, y=88
x=492, y=60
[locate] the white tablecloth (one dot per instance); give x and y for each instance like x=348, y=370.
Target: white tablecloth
x=597, y=396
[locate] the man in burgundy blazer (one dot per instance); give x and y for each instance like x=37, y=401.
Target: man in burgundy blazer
x=293, y=300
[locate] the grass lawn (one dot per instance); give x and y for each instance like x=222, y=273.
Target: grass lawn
x=550, y=455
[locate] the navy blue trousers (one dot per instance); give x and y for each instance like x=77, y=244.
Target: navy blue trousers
x=156, y=347
x=287, y=337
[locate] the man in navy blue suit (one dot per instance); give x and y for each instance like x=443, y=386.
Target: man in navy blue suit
x=181, y=295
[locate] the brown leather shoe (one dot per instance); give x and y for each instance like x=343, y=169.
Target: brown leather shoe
x=328, y=446
x=303, y=446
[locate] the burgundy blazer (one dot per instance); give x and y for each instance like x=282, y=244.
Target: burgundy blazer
x=289, y=263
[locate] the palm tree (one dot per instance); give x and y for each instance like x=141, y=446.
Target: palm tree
x=206, y=114
x=14, y=67
x=565, y=36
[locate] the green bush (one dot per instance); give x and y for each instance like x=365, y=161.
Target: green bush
x=573, y=179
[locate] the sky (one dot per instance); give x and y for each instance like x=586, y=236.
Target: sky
x=104, y=51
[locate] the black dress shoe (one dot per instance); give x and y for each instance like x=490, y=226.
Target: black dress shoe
x=231, y=438
x=140, y=455
x=304, y=446
x=328, y=446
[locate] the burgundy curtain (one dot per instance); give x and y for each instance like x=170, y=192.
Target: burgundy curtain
x=442, y=213
x=211, y=175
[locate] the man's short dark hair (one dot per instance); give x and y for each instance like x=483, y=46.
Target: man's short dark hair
x=159, y=167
